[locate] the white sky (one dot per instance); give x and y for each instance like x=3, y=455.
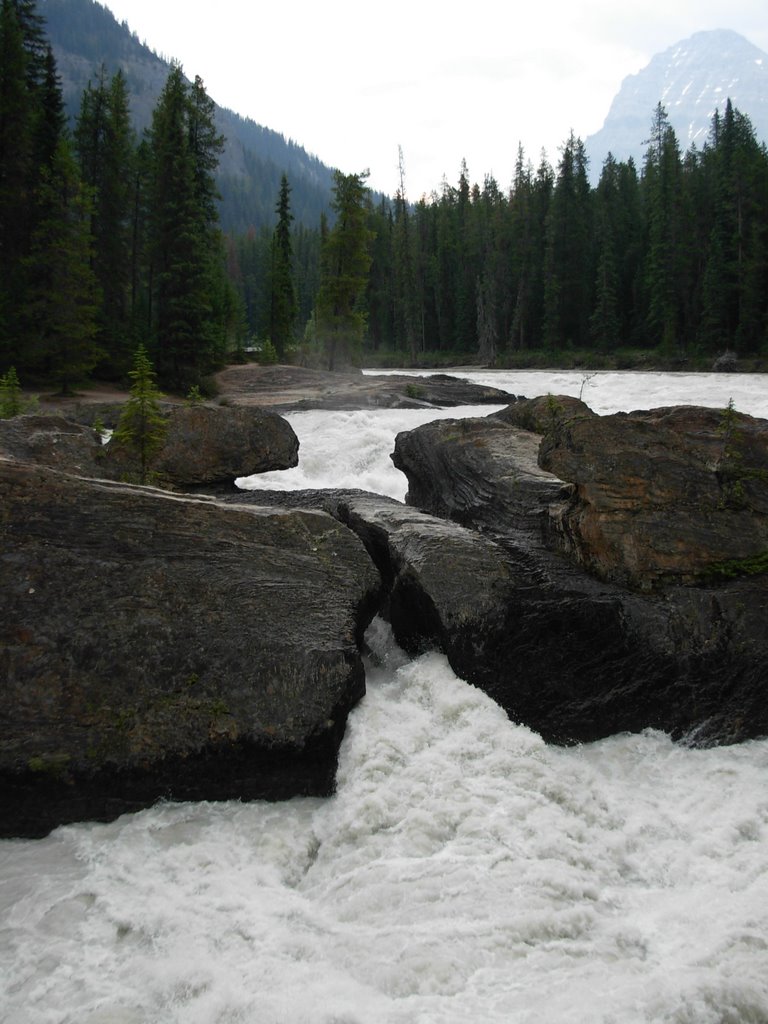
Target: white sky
x=351, y=82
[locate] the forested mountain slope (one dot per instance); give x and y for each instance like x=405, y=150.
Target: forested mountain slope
x=84, y=34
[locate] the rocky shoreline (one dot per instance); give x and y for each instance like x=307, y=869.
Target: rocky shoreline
x=592, y=574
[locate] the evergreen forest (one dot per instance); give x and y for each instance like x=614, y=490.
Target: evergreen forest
x=670, y=258
x=111, y=240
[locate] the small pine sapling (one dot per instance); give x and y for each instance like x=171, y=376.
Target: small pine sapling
x=12, y=400
x=142, y=426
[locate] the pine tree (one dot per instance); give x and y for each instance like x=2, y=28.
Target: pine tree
x=487, y=321
x=61, y=303
x=568, y=266
x=142, y=427
x=346, y=260
x=11, y=401
x=734, y=165
x=465, y=315
x=529, y=209
x=184, y=243
x=51, y=121
x=32, y=26
x=17, y=115
x=405, y=301
x=662, y=180
x=610, y=219
x=282, y=306
x=381, y=289
x=628, y=235
x=104, y=143
x=604, y=323
x=32, y=134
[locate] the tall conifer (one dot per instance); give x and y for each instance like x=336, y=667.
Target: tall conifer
x=104, y=142
x=568, y=265
x=185, y=245
x=62, y=292
x=282, y=307
x=346, y=260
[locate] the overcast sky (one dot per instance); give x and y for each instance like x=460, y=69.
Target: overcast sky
x=352, y=81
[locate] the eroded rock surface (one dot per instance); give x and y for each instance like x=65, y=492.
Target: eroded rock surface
x=51, y=440
x=661, y=496
x=206, y=445
x=447, y=586
x=297, y=387
x=575, y=656
x=480, y=472
x=164, y=645
x=161, y=645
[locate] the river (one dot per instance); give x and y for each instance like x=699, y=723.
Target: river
x=464, y=872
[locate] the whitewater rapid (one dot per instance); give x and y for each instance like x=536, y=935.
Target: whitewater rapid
x=352, y=449
x=464, y=872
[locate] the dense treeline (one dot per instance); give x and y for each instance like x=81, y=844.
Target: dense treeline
x=109, y=241
x=674, y=257
x=106, y=242
x=85, y=35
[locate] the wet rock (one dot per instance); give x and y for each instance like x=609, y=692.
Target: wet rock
x=480, y=472
x=51, y=440
x=213, y=445
x=662, y=496
x=574, y=656
x=447, y=586
x=297, y=387
x=728, y=362
x=157, y=645
x=544, y=414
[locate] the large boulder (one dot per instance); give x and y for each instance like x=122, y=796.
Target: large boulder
x=662, y=496
x=206, y=445
x=543, y=414
x=163, y=645
x=481, y=472
x=202, y=445
x=574, y=656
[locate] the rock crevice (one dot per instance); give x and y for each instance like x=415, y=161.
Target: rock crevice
x=592, y=574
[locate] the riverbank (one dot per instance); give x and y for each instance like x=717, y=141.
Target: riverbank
x=651, y=360
x=293, y=388
x=286, y=388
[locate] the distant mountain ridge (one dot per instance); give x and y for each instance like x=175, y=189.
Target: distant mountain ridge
x=84, y=34
x=691, y=79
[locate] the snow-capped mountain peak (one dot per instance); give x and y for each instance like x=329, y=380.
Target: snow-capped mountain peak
x=692, y=79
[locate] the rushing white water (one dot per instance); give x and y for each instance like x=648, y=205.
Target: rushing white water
x=608, y=391
x=464, y=872
x=352, y=449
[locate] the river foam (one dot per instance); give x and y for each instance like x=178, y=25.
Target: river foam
x=463, y=872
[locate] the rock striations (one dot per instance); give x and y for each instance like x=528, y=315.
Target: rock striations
x=159, y=645
x=597, y=633
x=592, y=574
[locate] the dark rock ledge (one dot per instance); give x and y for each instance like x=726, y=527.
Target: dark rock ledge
x=202, y=446
x=592, y=574
x=158, y=645
x=637, y=594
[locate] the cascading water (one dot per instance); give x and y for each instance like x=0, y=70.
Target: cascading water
x=464, y=872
